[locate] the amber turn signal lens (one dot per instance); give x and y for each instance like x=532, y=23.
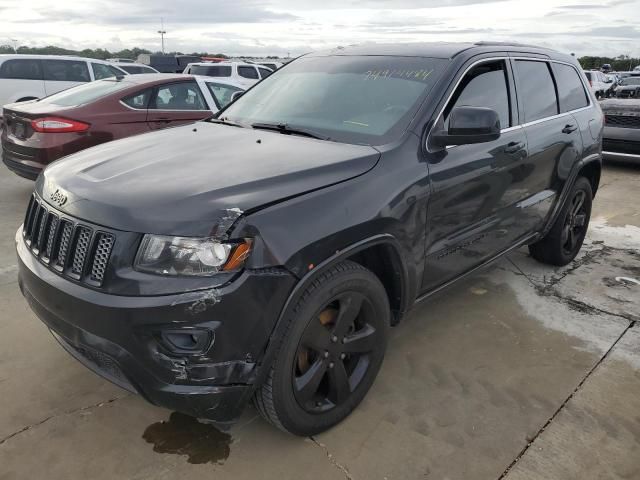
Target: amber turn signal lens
x=238, y=257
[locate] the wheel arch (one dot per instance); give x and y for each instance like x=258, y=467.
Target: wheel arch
x=589, y=167
x=381, y=254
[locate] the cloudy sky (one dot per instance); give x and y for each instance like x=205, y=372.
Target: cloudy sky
x=279, y=27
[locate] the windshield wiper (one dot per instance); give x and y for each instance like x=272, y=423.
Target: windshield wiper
x=225, y=121
x=287, y=129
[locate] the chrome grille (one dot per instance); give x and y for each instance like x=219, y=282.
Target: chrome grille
x=73, y=249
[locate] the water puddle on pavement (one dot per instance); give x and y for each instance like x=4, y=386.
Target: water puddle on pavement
x=185, y=435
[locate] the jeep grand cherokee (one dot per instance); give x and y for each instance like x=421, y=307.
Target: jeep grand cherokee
x=264, y=254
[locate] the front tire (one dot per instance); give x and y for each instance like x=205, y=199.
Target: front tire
x=331, y=354
x=563, y=242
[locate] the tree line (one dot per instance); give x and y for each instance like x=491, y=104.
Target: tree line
x=99, y=53
x=620, y=63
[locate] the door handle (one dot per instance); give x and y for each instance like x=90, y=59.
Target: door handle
x=162, y=120
x=513, y=147
x=569, y=128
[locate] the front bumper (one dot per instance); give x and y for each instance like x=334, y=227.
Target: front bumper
x=621, y=144
x=119, y=337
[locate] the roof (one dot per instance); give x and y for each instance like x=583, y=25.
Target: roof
x=435, y=49
x=212, y=64
x=152, y=78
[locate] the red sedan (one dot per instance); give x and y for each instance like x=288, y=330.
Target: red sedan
x=38, y=132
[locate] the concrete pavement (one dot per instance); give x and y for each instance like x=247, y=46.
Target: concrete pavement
x=520, y=372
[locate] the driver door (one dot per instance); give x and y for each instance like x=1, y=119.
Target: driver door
x=475, y=188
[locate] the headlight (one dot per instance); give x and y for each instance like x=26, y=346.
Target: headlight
x=188, y=256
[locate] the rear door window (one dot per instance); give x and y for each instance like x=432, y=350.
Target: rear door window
x=178, y=96
x=536, y=89
x=101, y=71
x=264, y=72
x=66, y=70
x=571, y=92
x=25, y=69
x=248, y=72
x=486, y=85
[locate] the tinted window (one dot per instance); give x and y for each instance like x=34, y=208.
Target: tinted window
x=589, y=76
x=138, y=100
x=222, y=93
x=571, y=93
x=351, y=99
x=211, y=70
x=484, y=86
x=66, y=70
x=272, y=66
x=85, y=93
x=536, y=88
x=25, y=69
x=248, y=72
x=179, y=96
x=137, y=70
x=264, y=73
x=101, y=71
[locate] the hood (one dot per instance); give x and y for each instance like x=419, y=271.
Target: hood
x=194, y=180
x=628, y=106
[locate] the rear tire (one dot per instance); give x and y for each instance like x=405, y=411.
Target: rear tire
x=563, y=242
x=332, y=351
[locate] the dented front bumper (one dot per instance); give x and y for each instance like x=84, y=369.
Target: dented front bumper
x=121, y=337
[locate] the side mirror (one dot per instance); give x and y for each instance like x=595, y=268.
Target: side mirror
x=468, y=125
x=236, y=95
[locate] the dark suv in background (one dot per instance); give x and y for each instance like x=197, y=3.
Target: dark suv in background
x=265, y=253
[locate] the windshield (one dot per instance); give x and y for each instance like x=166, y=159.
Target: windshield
x=86, y=93
x=631, y=81
x=350, y=99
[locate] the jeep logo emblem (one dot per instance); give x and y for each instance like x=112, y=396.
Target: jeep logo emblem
x=58, y=197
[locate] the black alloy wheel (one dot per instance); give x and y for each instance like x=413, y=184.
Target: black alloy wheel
x=575, y=224
x=331, y=352
x=333, y=355
x=564, y=239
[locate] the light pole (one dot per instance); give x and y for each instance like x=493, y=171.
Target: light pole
x=162, y=33
x=15, y=44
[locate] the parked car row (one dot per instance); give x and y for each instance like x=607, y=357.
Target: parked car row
x=246, y=74
x=38, y=132
x=28, y=77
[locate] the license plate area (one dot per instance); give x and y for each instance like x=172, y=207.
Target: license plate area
x=18, y=129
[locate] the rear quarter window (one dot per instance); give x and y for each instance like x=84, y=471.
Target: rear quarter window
x=25, y=69
x=571, y=92
x=248, y=72
x=139, y=100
